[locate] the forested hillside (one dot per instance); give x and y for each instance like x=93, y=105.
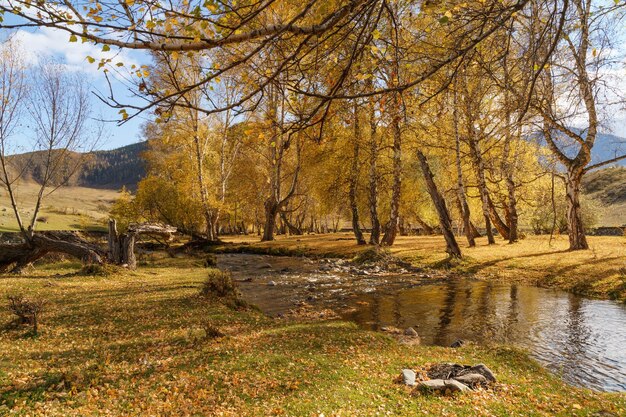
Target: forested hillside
x=114, y=169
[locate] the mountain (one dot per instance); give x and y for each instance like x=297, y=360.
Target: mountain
x=114, y=169
x=606, y=146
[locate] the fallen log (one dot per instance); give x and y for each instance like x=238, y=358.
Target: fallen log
x=16, y=256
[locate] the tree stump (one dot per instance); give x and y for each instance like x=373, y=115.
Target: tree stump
x=122, y=246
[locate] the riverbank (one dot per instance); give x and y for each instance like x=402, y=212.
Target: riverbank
x=138, y=343
x=599, y=272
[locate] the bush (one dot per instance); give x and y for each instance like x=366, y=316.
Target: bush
x=28, y=311
x=220, y=287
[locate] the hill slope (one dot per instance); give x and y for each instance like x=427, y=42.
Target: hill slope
x=608, y=186
x=114, y=169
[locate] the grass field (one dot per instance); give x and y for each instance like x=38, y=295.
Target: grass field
x=69, y=208
x=133, y=344
x=598, y=272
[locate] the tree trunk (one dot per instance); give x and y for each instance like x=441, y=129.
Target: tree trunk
x=373, y=178
x=465, y=217
x=452, y=247
x=392, y=226
x=293, y=229
x=461, y=197
x=427, y=228
x=354, y=179
x=482, y=186
x=575, y=227
x=271, y=210
x=500, y=226
x=513, y=217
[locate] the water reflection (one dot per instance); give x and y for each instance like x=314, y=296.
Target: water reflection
x=582, y=340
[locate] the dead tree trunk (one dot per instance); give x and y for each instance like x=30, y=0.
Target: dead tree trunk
x=452, y=247
x=15, y=257
x=122, y=246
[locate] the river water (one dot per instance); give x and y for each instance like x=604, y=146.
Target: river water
x=582, y=340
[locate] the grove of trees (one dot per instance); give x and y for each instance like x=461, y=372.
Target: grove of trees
x=274, y=116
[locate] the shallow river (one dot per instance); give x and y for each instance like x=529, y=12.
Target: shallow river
x=582, y=340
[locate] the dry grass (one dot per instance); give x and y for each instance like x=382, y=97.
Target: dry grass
x=139, y=344
x=598, y=272
x=69, y=208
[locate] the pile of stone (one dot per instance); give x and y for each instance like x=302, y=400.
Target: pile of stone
x=447, y=378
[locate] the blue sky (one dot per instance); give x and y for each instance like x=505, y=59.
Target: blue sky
x=45, y=42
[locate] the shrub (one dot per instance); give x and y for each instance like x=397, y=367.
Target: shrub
x=28, y=311
x=219, y=286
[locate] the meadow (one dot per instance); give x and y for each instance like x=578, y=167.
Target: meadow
x=142, y=343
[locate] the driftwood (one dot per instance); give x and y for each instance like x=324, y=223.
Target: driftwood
x=16, y=256
x=122, y=246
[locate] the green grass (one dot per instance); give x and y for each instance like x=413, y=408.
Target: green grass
x=132, y=343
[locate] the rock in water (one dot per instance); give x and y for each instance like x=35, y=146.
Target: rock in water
x=442, y=385
x=271, y=283
x=472, y=380
x=410, y=332
x=408, y=376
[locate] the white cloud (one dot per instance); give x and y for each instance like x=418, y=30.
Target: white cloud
x=49, y=42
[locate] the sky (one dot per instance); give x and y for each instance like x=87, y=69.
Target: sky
x=45, y=43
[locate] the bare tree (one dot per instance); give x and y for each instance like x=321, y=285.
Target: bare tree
x=57, y=107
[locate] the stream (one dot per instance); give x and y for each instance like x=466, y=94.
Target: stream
x=581, y=340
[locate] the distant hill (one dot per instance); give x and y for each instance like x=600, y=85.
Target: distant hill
x=606, y=147
x=114, y=169
x=608, y=186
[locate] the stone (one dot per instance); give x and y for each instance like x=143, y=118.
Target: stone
x=409, y=331
x=442, y=385
x=266, y=266
x=472, y=380
x=271, y=283
x=408, y=376
x=483, y=370
x=457, y=344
